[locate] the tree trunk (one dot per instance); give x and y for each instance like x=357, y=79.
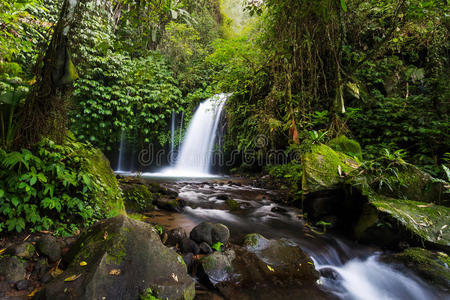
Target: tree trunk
x=44, y=112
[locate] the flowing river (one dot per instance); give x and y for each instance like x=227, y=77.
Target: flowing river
x=356, y=271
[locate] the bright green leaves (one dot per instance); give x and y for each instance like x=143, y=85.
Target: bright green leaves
x=343, y=5
x=47, y=188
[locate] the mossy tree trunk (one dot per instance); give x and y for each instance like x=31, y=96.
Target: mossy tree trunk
x=44, y=112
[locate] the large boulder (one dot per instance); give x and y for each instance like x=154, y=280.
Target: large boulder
x=387, y=221
x=263, y=269
x=210, y=233
x=121, y=258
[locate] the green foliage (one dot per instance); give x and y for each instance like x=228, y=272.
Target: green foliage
x=149, y=295
x=138, y=198
x=49, y=188
x=217, y=246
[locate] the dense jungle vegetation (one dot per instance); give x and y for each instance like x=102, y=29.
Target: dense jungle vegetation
x=301, y=73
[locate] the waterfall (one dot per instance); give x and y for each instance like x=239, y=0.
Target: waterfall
x=121, y=151
x=172, y=139
x=194, y=159
x=181, y=125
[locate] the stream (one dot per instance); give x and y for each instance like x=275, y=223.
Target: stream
x=356, y=270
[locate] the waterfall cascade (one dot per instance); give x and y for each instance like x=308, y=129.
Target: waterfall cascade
x=121, y=152
x=194, y=157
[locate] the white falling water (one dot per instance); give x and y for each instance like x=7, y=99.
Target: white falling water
x=194, y=159
x=121, y=152
x=172, y=136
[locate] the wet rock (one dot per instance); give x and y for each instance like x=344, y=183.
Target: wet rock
x=41, y=267
x=157, y=188
x=175, y=236
x=188, y=259
x=278, y=209
x=50, y=247
x=172, y=204
x=24, y=285
x=431, y=266
x=265, y=269
x=124, y=257
x=223, y=197
x=330, y=273
x=205, y=248
x=232, y=204
x=218, y=266
x=189, y=246
x=281, y=254
x=24, y=250
x=12, y=269
x=210, y=233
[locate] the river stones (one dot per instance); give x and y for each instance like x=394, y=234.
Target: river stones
x=210, y=233
x=189, y=246
x=120, y=259
x=12, y=269
x=49, y=246
x=205, y=248
x=175, y=236
x=24, y=250
x=219, y=266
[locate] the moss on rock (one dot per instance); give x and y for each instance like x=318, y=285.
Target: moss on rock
x=321, y=168
x=138, y=198
x=346, y=145
x=109, y=199
x=431, y=266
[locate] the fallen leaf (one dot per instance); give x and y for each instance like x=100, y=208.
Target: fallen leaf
x=443, y=227
x=56, y=272
x=270, y=268
x=83, y=263
x=2, y=250
x=339, y=170
x=310, y=263
x=28, y=236
x=114, y=272
x=175, y=277
x=34, y=292
x=105, y=236
x=72, y=278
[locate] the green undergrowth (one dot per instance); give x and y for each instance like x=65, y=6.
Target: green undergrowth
x=56, y=187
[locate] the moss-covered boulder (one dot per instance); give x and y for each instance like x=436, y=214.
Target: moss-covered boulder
x=431, y=266
x=120, y=258
x=409, y=182
x=137, y=198
x=388, y=220
x=109, y=198
x=324, y=168
x=347, y=146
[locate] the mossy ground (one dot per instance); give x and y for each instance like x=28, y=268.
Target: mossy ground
x=346, y=145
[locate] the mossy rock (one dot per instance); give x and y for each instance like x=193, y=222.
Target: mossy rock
x=431, y=266
x=232, y=204
x=122, y=258
x=403, y=219
x=321, y=168
x=138, y=198
x=346, y=145
x=414, y=184
x=109, y=198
